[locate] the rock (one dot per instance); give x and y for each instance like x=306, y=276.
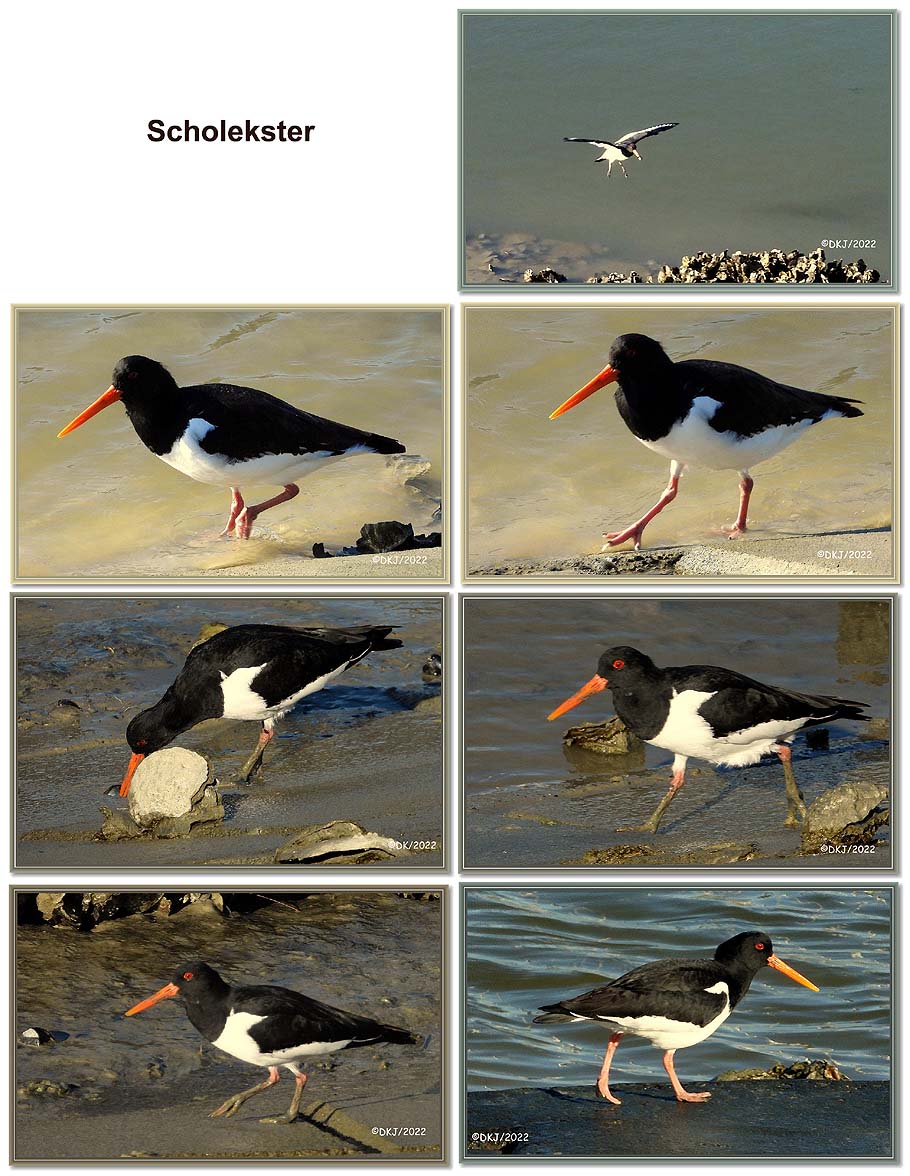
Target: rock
x=337, y=842
x=378, y=538
x=849, y=814
x=36, y=1036
x=544, y=275
x=166, y=784
x=769, y=265
x=45, y=1088
x=612, y=737
x=207, y=631
x=84, y=910
x=822, y=1070
x=432, y=667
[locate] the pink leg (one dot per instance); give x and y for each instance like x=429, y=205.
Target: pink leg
x=249, y=514
x=603, y=1081
x=681, y=1094
x=745, y=493
x=653, y=822
x=236, y=1101
x=253, y=764
x=236, y=507
x=614, y=538
x=796, y=805
x=294, y=1109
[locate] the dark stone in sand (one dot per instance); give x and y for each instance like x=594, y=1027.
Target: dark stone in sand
x=381, y=538
x=35, y=1035
x=83, y=910
x=651, y=563
x=849, y=814
x=779, y=1118
x=432, y=667
x=771, y=265
x=548, y=275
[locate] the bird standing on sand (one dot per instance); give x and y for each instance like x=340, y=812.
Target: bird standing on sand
x=673, y=1003
x=703, y=412
x=253, y=672
x=224, y=434
x=624, y=148
x=711, y=714
x=268, y=1026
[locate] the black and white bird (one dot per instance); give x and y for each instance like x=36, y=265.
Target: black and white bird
x=704, y=412
x=673, y=1003
x=709, y=713
x=227, y=435
x=624, y=148
x=251, y=672
x=268, y=1026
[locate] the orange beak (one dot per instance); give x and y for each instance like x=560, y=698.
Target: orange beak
x=111, y=396
x=135, y=760
x=608, y=376
x=593, y=687
x=161, y=994
x=780, y=966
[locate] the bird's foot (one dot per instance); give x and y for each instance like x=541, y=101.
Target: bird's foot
x=230, y=1107
x=243, y=526
x=647, y=827
x=287, y=1117
x=795, y=816
x=684, y=1096
x=733, y=531
x=604, y=1091
x=614, y=538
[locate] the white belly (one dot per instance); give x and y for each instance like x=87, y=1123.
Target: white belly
x=242, y=702
x=694, y=442
x=666, y=1034
x=686, y=733
x=273, y=469
x=234, y=1040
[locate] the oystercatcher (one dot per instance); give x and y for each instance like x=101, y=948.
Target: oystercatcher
x=703, y=412
x=224, y=434
x=623, y=148
x=256, y=672
x=268, y=1026
x=711, y=714
x=674, y=1003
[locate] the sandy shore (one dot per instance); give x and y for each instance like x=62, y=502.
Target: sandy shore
x=402, y=565
x=863, y=554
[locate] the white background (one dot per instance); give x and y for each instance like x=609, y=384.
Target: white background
x=366, y=212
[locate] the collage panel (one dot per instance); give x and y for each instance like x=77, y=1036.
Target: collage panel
x=342, y=992
x=230, y=731
x=777, y=427
x=723, y=153
x=246, y=402
x=744, y=732
x=772, y=1005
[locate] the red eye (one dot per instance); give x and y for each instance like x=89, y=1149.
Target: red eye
x=618, y=664
x=141, y=742
x=188, y=975
x=759, y=947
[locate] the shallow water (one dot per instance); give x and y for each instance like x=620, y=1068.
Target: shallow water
x=527, y=947
x=539, y=488
x=98, y=502
x=765, y=105
x=373, y=954
x=529, y=803
x=115, y=656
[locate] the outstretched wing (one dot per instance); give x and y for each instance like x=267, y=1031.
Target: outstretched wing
x=636, y=136
x=604, y=143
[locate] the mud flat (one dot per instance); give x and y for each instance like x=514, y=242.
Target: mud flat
x=144, y=1088
x=865, y=553
x=793, y=1119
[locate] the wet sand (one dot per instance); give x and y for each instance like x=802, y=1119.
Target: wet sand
x=863, y=554
x=378, y=954
x=367, y=749
x=264, y=562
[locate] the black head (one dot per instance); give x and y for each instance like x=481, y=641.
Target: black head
x=137, y=378
x=750, y=951
x=633, y=354
x=618, y=666
x=193, y=983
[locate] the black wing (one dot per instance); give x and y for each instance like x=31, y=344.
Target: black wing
x=636, y=136
x=750, y=402
x=256, y=419
x=737, y=696
x=291, y=1016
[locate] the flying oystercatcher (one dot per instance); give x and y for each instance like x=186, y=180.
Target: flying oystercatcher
x=703, y=412
x=624, y=148
x=674, y=1003
x=268, y=1026
x=255, y=672
x=224, y=434
x=711, y=714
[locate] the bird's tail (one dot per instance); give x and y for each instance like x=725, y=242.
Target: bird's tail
x=398, y=1036
x=380, y=639
x=380, y=444
x=837, y=708
x=552, y=1015
x=846, y=406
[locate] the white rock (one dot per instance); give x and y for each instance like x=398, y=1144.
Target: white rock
x=166, y=784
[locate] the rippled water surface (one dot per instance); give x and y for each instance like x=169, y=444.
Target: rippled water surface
x=539, y=488
x=527, y=947
x=97, y=501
